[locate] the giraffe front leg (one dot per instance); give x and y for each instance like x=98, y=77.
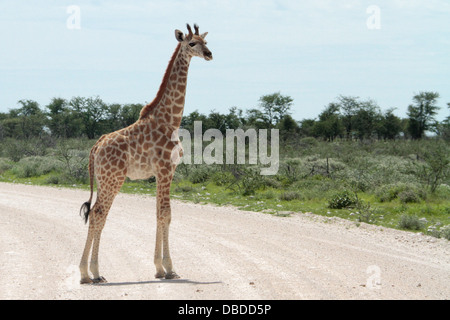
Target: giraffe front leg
x=163, y=261
x=167, y=260
x=160, y=273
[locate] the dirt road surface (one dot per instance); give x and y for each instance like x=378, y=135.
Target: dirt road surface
x=219, y=252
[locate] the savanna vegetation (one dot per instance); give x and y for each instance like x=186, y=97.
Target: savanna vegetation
x=353, y=161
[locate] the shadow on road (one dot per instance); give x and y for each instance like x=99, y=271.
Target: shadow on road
x=174, y=281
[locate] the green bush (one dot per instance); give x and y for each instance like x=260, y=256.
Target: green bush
x=341, y=200
x=409, y=196
x=269, y=194
x=53, y=180
x=198, y=174
x=27, y=168
x=5, y=165
x=185, y=189
x=290, y=195
x=445, y=232
x=249, y=181
x=222, y=178
x=293, y=170
x=410, y=222
x=405, y=192
x=433, y=165
x=16, y=149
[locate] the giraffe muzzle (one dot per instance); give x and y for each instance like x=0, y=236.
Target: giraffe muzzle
x=208, y=55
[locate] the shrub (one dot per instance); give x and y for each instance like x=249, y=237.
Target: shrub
x=249, y=181
x=434, y=167
x=324, y=166
x=269, y=194
x=75, y=170
x=223, y=178
x=53, y=180
x=365, y=212
x=273, y=183
x=30, y=167
x=445, y=232
x=406, y=192
x=290, y=195
x=18, y=149
x=198, y=174
x=308, y=142
x=408, y=196
x=410, y=222
x=293, y=170
x=185, y=189
x=341, y=200
x=5, y=165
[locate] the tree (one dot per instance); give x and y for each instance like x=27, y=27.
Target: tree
x=359, y=118
x=3, y=117
x=307, y=127
x=235, y=119
x=130, y=113
x=442, y=129
x=289, y=129
x=275, y=107
x=366, y=119
x=390, y=125
x=187, y=122
x=446, y=126
x=421, y=113
x=92, y=111
x=112, y=121
x=257, y=119
x=329, y=126
x=31, y=119
x=348, y=106
x=63, y=122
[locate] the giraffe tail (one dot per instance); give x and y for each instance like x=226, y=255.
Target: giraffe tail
x=85, y=210
x=86, y=207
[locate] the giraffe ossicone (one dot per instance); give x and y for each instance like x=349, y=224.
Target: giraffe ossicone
x=140, y=151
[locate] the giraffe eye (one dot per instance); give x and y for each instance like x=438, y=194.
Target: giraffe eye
x=192, y=44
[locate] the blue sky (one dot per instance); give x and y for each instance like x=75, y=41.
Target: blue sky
x=312, y=50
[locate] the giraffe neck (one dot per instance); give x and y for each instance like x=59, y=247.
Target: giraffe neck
x=168, y=105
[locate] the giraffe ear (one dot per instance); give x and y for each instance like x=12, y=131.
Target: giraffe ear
x=179, y=35
x=203, y=35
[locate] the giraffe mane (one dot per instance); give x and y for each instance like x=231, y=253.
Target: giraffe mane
x=148, y=109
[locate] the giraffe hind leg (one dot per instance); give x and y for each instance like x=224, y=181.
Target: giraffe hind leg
x=85, y=279
x=97, y=219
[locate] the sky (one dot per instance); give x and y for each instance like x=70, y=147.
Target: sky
x=312, y=50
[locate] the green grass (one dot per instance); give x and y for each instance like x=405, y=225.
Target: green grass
x=435, y=211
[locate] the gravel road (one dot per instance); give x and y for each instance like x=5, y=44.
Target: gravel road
x=219, y=252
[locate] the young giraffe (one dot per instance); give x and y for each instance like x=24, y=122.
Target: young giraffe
x=140, y=151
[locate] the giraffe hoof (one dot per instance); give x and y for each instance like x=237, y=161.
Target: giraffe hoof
x=99, y=280
x=172, y=275
x=86, y=281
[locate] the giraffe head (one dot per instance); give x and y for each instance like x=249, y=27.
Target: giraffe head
x=194, y=43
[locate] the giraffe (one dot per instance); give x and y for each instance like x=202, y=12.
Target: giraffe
x=140, y=151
